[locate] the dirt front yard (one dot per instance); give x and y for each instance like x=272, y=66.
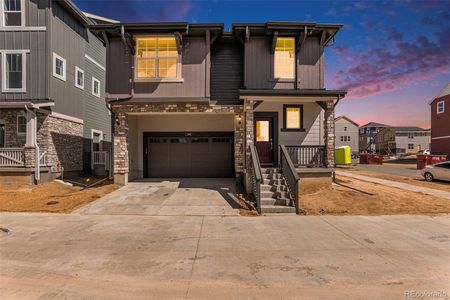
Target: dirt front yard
x=356, y=197
x=49, y=197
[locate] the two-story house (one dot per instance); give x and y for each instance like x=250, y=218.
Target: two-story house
x=366, y=136
x=191, y=100
x=402, y=140
x=53, y=113
x=347, y=133
x=440, y=123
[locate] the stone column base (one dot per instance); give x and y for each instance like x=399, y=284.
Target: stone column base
x=29, y=153
x=121, y=178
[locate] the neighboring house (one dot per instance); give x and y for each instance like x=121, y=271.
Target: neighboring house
x=53, y=113
x=366, y=136
x=191, y=100
x=402, y=140
x=347, y=133
x=440, y=123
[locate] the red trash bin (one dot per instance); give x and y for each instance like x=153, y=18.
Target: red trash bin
x=375, y=159
x=428, y=160
x=363, y=159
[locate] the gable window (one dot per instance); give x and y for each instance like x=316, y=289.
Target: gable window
x=293, y=117
x=13, y=13
x=156, y=58
x=59, y=67
x=21, y=125
x=284, y=58
x=440, y=107
x=79, y=78
x=95, y=87
x=14, y=71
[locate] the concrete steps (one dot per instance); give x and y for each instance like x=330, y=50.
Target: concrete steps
x=275, y=197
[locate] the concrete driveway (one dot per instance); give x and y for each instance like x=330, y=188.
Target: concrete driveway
x=169, y=197
x=57, y=256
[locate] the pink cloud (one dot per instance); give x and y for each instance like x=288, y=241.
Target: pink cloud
x=382, y=69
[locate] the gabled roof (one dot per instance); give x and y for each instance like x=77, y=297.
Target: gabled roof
x=76, y=12
x=407, y=128
x=374, y=124
x=444, y=92
x=348, y=119
x=100, y=19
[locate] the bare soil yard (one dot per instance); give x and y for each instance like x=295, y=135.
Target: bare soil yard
x=42, y=198
x=438, y=185
x=356, y=197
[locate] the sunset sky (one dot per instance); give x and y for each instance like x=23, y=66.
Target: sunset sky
x=393, y=57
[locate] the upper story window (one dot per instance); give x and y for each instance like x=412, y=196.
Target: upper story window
x=440, y=107
x=345, y=128
x=14, y=71
x=59, y=67
x=95, y=87
x=156, y=58
x=79, y=78
x=13, y=13
x=284, y=59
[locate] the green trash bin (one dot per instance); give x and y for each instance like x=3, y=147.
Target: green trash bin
x=343, y=155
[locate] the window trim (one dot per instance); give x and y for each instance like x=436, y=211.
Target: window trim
x=81, y=87
x=24, y=53
x=443, y=107
x=63, y=77
x=301, y=129
x=285, y=79
x=178, y=78
x=22, y=16
x=17, y=125
x=92, y=88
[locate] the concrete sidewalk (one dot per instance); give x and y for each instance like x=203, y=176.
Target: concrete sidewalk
x=403, y=186
x=74, y=256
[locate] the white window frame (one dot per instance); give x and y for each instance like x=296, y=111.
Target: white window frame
x=3, y=19
x=443, y=107
x=17, y=125
x=76, y=78
x=63, y=77
x=93, y=131
x=23, y=89
x=99, y=85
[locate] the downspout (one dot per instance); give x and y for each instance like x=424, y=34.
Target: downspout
x=37, y=171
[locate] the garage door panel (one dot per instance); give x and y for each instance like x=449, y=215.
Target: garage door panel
x=202, y=156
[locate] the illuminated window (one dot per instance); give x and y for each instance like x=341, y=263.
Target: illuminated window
x=262, y=131
x=293, y=117
x=156, y=57
x=285, y=58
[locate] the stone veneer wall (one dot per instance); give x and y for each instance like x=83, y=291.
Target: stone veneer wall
x=9, y=117
x=121, y=163
x=329, y=134
x=63, y=141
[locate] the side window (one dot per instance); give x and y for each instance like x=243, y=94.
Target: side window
x=13, y=13
x=284, y=58
x=14, y=71
x=79, y=78
x=59, y=67
x=21, y=125
x=440, y=107
x=95, y=87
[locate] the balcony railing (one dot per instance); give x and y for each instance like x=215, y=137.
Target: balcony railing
x=12, y=157
x=307, y=156
x=100, y=158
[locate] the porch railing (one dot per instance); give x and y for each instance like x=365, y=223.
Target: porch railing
x=12, y=157
x=100, y=158
x=290, y=174
x=255, y=169
x=307, y=156
x=43, y=158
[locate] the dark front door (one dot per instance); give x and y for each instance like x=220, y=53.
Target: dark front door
x=265, y=141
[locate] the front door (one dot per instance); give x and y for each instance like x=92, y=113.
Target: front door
x=265, y=142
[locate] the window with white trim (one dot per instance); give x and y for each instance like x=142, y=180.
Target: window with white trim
x=95, y=87
x=59, y=67
x=13, y=71
x=157, y=58
x=13, y=14
x=79, y=78
x=21, y=125
x=440, y=107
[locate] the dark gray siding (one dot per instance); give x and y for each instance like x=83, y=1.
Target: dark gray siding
x=226, y=70
x=259, y=65
x=35, y=12
x=194, y=52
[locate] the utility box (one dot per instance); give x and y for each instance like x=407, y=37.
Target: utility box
x=343, y=155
